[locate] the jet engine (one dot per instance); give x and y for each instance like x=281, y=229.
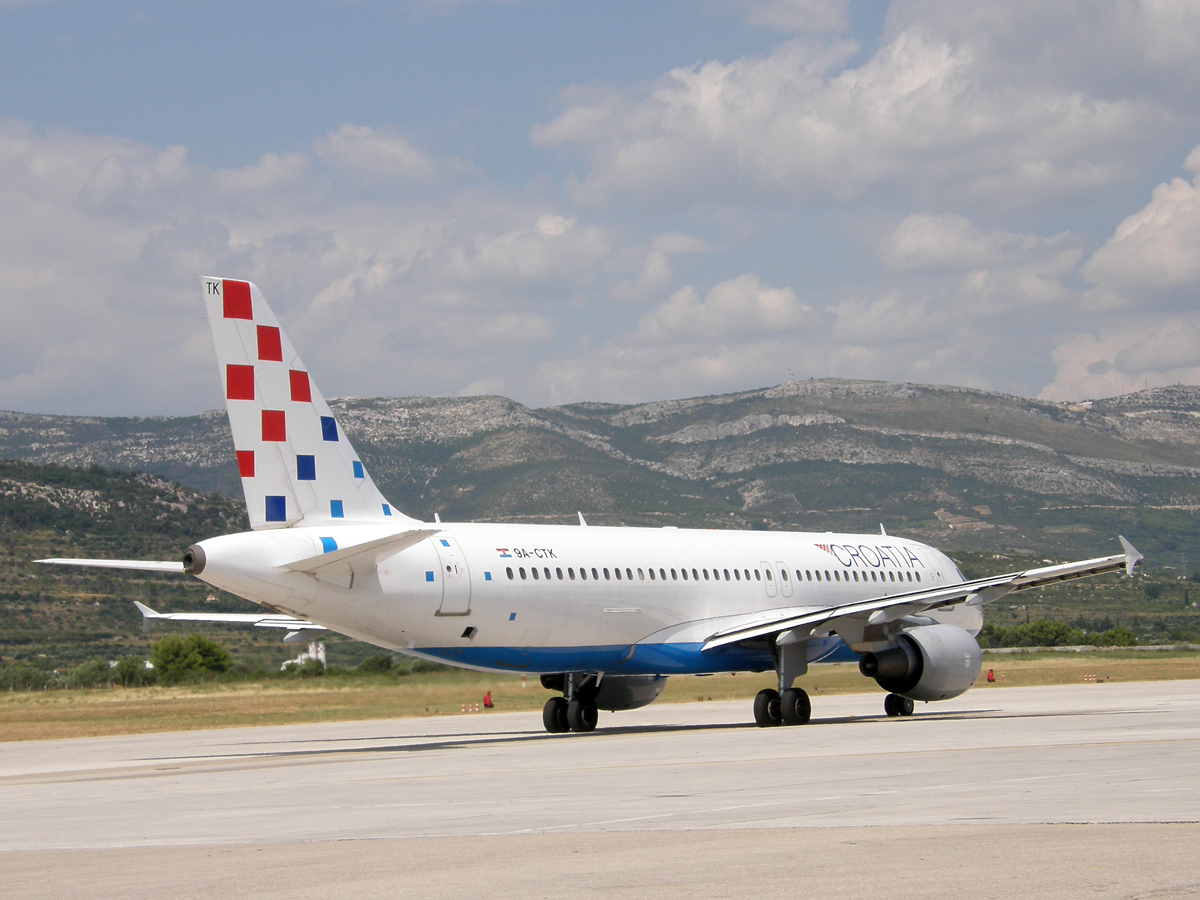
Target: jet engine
x=934, y=662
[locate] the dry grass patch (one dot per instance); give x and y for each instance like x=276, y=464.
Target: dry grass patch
x=64, y=714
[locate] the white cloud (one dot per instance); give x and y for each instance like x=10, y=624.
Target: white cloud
x=933, y=112
x=372, y=156
x=1124, y=360
x=1155, y=249
x=102, y=241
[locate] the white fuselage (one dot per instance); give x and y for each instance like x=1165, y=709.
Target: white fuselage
x=552, y=598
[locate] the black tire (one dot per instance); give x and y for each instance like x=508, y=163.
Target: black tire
x=766, y=708
x=794, y=707
x=554, y=715
x=906, y=706
x=892, y=705
x=582, y=717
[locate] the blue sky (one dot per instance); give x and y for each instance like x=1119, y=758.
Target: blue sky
x=584, y=201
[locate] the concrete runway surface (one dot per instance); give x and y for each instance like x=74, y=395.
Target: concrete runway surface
x=1017, y=792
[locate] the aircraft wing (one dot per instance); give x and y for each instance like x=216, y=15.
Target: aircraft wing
x=879, y=610
x=258, y=620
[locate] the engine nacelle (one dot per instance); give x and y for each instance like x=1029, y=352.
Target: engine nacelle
x=934, y=662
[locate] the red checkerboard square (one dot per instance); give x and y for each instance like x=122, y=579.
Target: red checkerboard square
x=273, y=427
x=300, y=388
x=245, y=461
x=236, y=299
x=269, y=346
x=239, y=382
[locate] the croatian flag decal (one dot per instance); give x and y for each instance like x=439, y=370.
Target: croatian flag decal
x=504, y=554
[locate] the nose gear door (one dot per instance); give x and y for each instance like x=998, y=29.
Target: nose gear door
x=456, y=577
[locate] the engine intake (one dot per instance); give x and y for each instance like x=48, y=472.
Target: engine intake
x=193, y=559
x=934, y=662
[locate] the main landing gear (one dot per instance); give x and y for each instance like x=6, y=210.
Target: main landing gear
x=792, y=707
x=576, y=711
x=788, y=705
x=895, y=705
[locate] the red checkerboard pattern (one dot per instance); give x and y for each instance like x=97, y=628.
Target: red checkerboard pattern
x=245, y=463
x=269, y=346
x=301, y=391
x=235, y=297
x=239, y=382
x=273, y=425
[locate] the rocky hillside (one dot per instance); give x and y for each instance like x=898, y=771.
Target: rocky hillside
x=962, y=467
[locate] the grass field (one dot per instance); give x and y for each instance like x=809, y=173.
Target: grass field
x=83, y=713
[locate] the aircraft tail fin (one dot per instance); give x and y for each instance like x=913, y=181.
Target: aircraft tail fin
x=296, y=464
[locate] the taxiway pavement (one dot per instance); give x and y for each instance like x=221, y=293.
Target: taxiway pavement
x=1055, y=791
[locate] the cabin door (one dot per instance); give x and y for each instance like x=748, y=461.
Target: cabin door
x=456, y=578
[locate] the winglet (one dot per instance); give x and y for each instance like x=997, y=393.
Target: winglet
x=582, y=521
x=148, y=615
x=882, y=530
x=1132, y=557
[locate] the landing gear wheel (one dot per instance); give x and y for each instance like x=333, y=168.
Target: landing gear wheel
x=794, y=707
x=554, y=715
x=582, y=717
x=895, y=705
x=766, y=708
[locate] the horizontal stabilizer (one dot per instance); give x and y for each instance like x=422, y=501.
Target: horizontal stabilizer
x=144, y=565
x=258, y=620
x=393, y=543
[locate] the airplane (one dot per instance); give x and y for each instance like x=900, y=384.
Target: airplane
x=604, y=615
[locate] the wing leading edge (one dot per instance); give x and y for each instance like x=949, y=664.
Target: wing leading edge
x=880, y=610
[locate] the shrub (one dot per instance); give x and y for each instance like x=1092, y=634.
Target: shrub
x=1114, y=637
x=1153, y=591
x=23, y=677
x=131, y=671
x=89, y=674
x=375, y=665
x=176, y=658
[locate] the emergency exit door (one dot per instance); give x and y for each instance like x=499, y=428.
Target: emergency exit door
x=455, y=577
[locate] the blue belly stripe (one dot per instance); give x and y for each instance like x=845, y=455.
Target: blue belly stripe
x=646, y=659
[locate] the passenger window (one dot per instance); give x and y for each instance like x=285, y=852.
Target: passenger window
x=818, y=574
x=641, y=575
x=726, y=574
x=873, y=578
x=737, y=574
x=827, y=578
x=607, y=577
x=629, y=574
x=783, y=574
x=547, y=571
x=583, y=573
x=809, y=574
x=533, y=571
x=651, y=574
x=684, y=573
x=909, y=576
x=746, y=572
x=918, y=576
x=571, y=573
x=768, y=573
x=510, y=574
x=662, y=573
x=558, y=572
x=617, y=572
x=891, y=576
x=706, y=574
x=837, y=576
x=595, y=575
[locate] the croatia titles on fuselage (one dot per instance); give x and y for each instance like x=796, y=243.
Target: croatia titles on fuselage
x=873, y=556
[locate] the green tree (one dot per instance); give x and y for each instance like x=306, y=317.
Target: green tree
x=131, y=671
x=176, y=658
x=1114, y=637
x=89, y=674
x=1153, y=591
x=375, y=665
